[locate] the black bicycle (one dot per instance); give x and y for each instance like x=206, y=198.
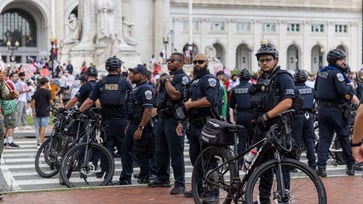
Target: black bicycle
x=50, y=153
x=88, y=162
x=216, y=172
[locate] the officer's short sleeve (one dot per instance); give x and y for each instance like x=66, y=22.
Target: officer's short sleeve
x=340, y=84
x=95, y=93
x=181, y=81
x=146, y=95
x=287, y=87
x=210, y=89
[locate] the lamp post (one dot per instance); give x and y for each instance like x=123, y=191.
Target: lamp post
x=53, y=51
x=166, y=42
x=12, y=48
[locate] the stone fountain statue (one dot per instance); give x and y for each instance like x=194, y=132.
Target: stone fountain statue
x=100, y=35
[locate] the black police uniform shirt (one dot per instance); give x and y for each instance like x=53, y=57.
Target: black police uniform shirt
x=85, y=91
x=110, y=112
x=205, y=86
x=331, y=85
x=180, y=81
x=143, y=95
x=240, y=98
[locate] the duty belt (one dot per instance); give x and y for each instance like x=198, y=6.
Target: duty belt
x=329, y=104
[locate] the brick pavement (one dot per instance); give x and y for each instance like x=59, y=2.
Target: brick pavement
x=339, y=190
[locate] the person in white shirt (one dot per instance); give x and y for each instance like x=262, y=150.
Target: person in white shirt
x=23, y=89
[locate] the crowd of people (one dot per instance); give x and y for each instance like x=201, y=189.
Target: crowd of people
x=146, y=121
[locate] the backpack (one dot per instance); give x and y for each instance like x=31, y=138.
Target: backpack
x=8, y=107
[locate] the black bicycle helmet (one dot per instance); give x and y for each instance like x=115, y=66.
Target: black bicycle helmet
x=244, y=75
x=91, y=71
x=300, y=76
x=113, y=63
x=267, y=50
x=334, y=55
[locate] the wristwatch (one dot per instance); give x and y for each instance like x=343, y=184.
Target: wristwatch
x=141, y=127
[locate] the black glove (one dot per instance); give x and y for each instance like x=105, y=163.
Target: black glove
x=262, y=124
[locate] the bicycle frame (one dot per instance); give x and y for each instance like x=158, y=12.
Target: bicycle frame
x=238, y=185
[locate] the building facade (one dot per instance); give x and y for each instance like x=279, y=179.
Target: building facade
x=230, y=31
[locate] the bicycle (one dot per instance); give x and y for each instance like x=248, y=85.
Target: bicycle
x=216, y=170
x=88, y=162
x=49, y=154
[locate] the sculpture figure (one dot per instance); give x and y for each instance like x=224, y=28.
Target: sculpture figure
x=72, y=30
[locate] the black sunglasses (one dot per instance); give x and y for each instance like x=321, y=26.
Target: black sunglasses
x=198, y=61
x=171, y=60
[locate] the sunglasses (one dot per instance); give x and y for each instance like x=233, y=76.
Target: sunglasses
x=198, y=61
x=265, y=60
x=172, y=60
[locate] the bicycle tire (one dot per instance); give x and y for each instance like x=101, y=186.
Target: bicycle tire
x=202, y=186
x=75, y=174
x=305, y=185
x=47, y=157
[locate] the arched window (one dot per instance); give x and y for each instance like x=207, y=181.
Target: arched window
x=17, y=25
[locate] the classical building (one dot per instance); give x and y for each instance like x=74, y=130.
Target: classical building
x=229, y=31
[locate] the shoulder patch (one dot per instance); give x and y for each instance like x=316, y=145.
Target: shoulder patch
x=340, y=77
x=148, y=94
x=212, y=82
x=185, y=80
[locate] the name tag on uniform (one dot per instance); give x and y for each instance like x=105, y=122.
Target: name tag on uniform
x=111, y=87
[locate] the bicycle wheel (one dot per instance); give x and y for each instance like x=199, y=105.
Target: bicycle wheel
x=304, y=186
x=87, y=165
x=47, y=158
x=213, y=184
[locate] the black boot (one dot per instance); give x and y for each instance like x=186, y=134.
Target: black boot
x=350, y=170
x=321, y=171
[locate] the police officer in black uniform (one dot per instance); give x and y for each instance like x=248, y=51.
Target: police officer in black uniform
x=303, y=124
x=138, y=138
x=240, y=103
x=359, y=89
x=272, y=95
x=333, y=93
x=111, y=91
x=173, y=91
x=201, y=105
x=85, y=90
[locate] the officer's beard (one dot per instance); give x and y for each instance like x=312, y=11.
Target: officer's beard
x=197, y=73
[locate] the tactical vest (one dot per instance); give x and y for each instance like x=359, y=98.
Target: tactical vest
x=307, y=93
x=111, y=93
x=267, y=94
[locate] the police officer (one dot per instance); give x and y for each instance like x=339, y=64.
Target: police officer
x=201, y=105
x=303, y=124
x=85, y=90
x=139, y=132
x=272, y=95
x=173, y=91
x=333, y=92
x=359, y=89
x=111, y=91
x=240, y=103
